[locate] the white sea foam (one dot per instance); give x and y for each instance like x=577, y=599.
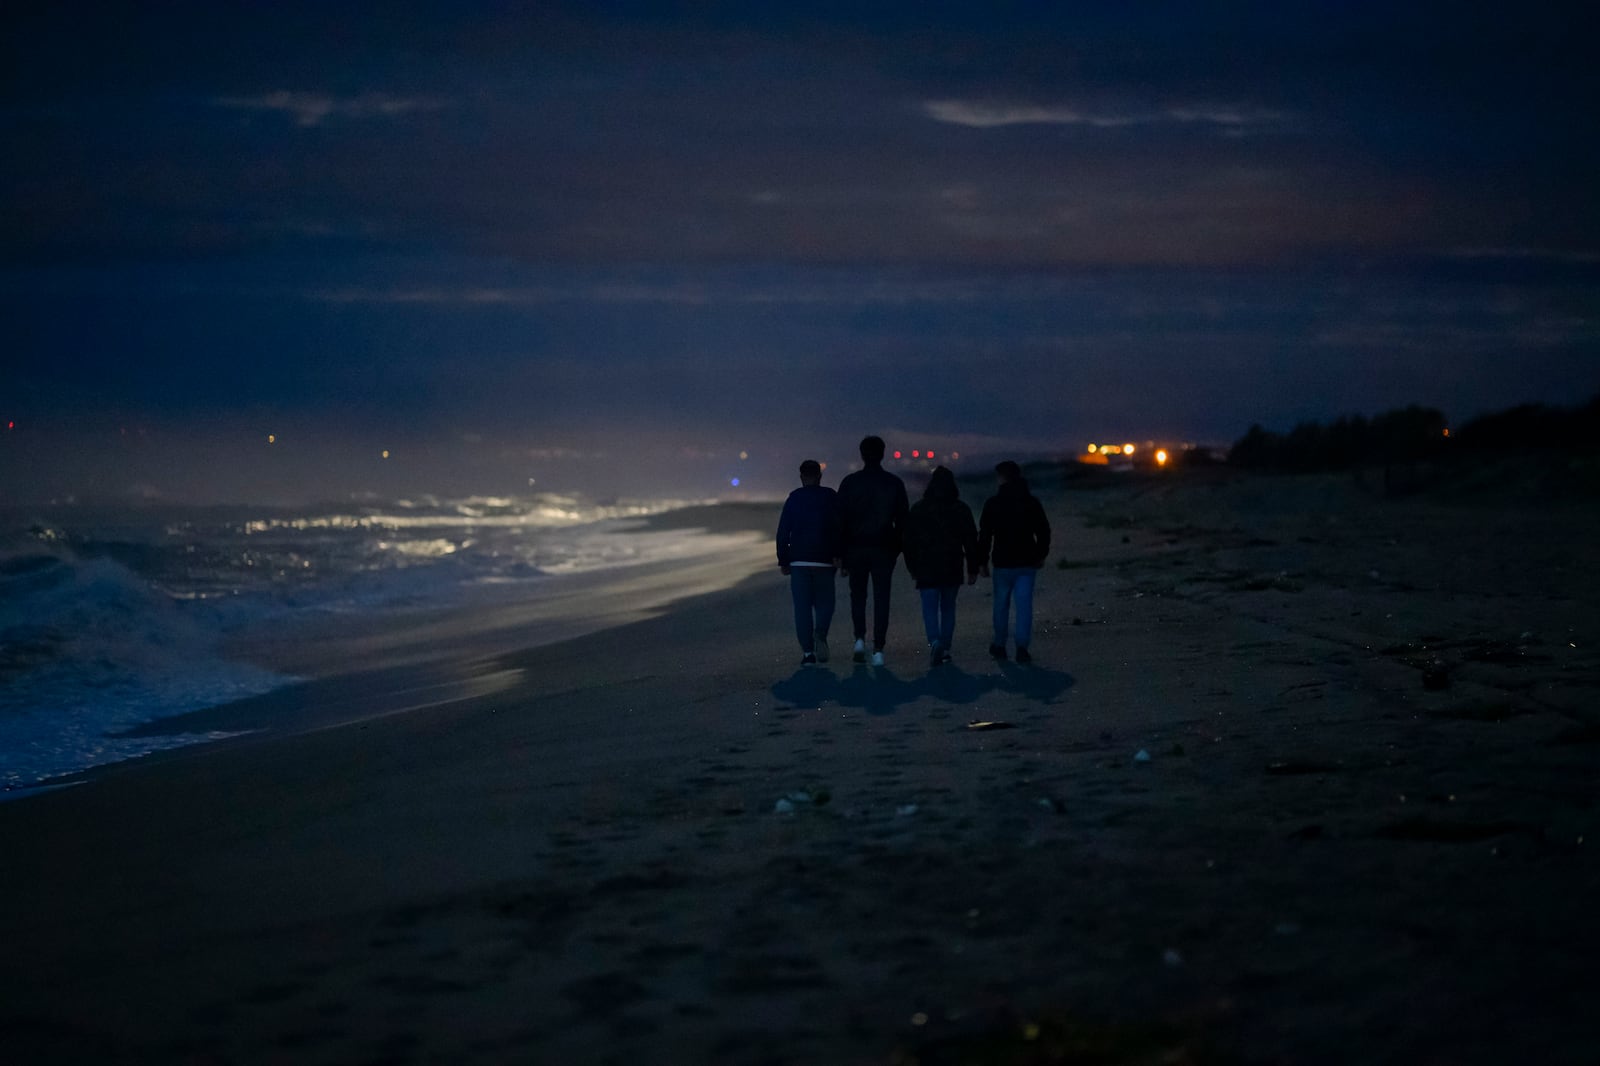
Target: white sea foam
x=88, y=649
x=112, y=620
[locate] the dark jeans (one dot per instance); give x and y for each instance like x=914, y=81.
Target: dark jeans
x=878, y=564
x=939, y=615
x=812, y=588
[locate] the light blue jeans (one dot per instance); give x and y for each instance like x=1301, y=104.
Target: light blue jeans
x=1014, y=582
x=939, y=614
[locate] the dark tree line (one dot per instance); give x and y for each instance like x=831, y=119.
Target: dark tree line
x=1415, y=433
x=1535, y=425
x=1354, y=440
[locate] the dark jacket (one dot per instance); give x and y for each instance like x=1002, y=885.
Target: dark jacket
x=1014, y=527
x=809, y=528
x=873, y=503
x=940, y=537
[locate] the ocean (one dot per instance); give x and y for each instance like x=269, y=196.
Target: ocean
x=113, y=618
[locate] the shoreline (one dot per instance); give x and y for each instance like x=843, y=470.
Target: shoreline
x=552, y=608
x=412, y=660
x=1321, y=857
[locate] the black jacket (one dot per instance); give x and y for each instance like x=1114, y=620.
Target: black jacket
x=873, y=503
x=940, y=536
x=1014, y=526
x=809, y=528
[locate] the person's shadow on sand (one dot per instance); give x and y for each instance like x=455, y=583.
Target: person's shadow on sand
x=879, y=690
x=1032, y=682
x=951, y=684
x=807, y=687
x=876, y=690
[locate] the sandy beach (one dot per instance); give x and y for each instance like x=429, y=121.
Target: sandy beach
x=1300, y=775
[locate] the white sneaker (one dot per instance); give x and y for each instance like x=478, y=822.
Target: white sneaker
x=877, y=658
x=859, y=654
x=821, y=644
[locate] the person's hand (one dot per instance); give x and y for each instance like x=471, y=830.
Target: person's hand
x=785, y=570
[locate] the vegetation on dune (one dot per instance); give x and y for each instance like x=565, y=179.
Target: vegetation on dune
x=1413, y=434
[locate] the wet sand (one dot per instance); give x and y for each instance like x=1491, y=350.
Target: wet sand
x=1364, y=830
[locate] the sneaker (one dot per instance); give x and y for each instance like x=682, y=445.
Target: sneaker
x=877, y=658
x=997, y=652
x=946, y=657
x=935, y=656
x=822, y=648
x=860, y=652
x=1023, y=656
x=808, y=659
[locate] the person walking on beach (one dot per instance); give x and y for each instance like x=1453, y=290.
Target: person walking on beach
x=940, y=536
x=1013, y=525
x=874, y=506
x=809, y=546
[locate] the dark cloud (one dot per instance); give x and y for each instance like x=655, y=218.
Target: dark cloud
x=1181, y=134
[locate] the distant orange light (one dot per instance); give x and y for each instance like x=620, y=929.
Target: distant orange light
x=272, y=438
x=1127, y=449
x=1447, y=431
x=1161, y=457
x=1093, y=448
x=824, y=466
x=955, y=455
x=386, y=453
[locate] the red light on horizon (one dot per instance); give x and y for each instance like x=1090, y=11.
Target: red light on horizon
x=915, y=454
x=930, y=455
x=11, y=425
x=897, y=455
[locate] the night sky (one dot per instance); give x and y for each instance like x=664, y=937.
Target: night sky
x=610, y=246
